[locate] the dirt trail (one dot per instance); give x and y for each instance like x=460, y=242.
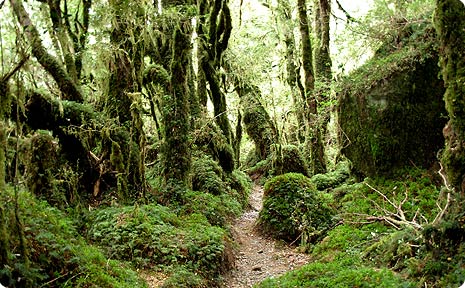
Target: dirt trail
x=259, y=257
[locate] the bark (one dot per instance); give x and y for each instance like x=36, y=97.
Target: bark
x=177, y=155
x=79, y=36
x=219, y=32
x=314, y=141
x=68, y=87
x=450, y=24
x=292, y=70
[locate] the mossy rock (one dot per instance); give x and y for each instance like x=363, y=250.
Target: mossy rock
x=207, y=176
x=391, y=110
x=294, y=208
x=289, y=159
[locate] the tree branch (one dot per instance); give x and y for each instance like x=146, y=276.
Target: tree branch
x=69, y=88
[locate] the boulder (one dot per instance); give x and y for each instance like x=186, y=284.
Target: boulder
x=391, y=110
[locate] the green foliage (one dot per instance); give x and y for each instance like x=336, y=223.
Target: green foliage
x=240, y=186
x=209, y=139
x=207, y=176
x=219, y=210
x=332, y=179
x=183, y=278
x=293, y=208
x=58, y=256
x=340, y=273
x=152, y=235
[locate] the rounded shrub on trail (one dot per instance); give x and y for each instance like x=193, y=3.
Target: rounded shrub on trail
x=293, y=208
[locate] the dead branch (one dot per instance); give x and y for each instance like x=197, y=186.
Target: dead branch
x=398, y=218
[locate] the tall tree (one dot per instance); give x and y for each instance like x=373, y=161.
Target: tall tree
x=314, y=141
x=175, y=111
x=450, y=24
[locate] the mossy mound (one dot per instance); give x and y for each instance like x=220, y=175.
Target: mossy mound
x=57, y=255
x=288, y=159
x=153, y=235
x=293, y=208
x=208, y=176
x=391, y=109
x=332, y=179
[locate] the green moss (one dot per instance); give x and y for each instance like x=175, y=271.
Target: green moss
x=293, y=208
x=449, y=24
x=258, y=124
x=207, y=176
x=391, y=110
x=332, y=179
x=288, y=159
x=58, y=254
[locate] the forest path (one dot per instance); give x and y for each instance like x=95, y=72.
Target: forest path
x=258, y=257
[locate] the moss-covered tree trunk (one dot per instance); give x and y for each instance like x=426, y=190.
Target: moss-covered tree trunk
x=450, y=25
x=314, y=142
x=286, y=25
x=68, y=87
x=257, y=121
x=177, y=154
x=123, y=101
x=214, y=31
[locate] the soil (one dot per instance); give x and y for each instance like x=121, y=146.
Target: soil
x=259, y=257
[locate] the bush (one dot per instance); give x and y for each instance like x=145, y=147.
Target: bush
x=293, y=207
x=58, y=256
x=152, y=235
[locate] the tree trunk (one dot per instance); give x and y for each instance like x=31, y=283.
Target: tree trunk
x=66, y=84
x=450, y=24
x=314, y=141
x=177, y=155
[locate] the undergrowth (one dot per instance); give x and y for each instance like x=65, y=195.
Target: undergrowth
x=57, y=256
x=366, y=249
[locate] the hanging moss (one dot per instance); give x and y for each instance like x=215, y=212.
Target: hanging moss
x=175, y=111
x=117, y=161
x=42, y=168
x=210, y=139
x=390, y=110
x=450, y=24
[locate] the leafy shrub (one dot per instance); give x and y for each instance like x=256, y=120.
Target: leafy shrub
x=58, y=256
x=293, y=207
x=153, y=235
x=217, y=209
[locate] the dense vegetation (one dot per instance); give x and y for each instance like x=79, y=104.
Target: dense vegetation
x=130, y=132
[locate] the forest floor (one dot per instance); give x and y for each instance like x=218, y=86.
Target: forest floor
x=259, y=257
